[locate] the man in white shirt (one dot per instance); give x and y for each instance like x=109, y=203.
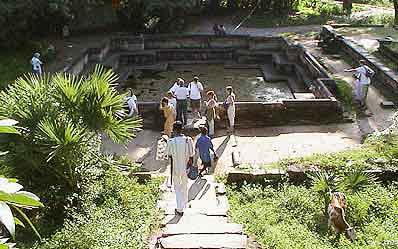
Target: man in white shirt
x=132, y=103
x=181, y=151
x=176, y=84
x=36, y=64
x=363, y=75
x=181, y=93
x=195, y=95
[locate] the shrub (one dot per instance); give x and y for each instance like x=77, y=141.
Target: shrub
x=291, y=216
x=117, y=212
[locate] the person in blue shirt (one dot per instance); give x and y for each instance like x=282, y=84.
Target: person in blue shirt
x=204, y=146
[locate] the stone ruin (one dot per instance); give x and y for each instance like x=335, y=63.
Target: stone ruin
x=275, y=57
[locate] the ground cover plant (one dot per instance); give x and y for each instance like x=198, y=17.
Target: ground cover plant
x=116, y=212
x=288, y=216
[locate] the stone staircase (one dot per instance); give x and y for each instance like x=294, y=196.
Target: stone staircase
x=204, y=223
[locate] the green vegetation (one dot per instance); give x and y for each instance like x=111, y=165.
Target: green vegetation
x=116, y=212
x=305, y=14
x=377, y=152
x=57, y=155
x=291, y=216
x=13, y=64
x=344, y=94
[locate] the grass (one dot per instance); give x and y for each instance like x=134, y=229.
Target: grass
x=377, y=152
x=291, y=216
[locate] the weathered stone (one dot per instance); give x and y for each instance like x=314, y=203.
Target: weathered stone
x=387, y=104
x=193, y=219
x=215, y=241
x=240, y=177
x=202, y=228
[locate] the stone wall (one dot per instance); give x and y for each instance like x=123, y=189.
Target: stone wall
x=259, y=114
x=384, y=75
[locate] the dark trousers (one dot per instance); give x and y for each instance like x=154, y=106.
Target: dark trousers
x=182, y=109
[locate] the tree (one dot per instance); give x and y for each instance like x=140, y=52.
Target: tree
x=396, y=11
x=63, y=118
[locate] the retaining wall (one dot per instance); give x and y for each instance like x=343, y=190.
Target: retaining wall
x=260, y=114
x=384, y=75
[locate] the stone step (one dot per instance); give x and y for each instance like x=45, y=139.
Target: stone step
x=210, y=241
x=202, y=228
x=209, y=211
x=193, y=219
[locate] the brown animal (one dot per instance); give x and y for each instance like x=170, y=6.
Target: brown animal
x=336, y=211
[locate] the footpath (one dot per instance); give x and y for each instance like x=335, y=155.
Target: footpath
x=204, y=223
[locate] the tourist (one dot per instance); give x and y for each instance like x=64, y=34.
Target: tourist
x=181, y=93
x=216, y=29
x=132, y=103
x=172, y=102
x=204, y=146
x=211, y=114
x=195, y=96
x=176, y=84
x=229, y=105
x=223, y=31
x=36, y=64
x=168, y=112
x=363, y=75
x=180, y=150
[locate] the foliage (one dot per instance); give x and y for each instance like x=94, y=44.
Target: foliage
x=291, y=216
x=324, y=184
x=344, y=93
x=63, y=118
x=305, y=13
x=117, y=212
x=12, y=198
x=23, y=19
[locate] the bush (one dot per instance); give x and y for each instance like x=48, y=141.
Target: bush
x=291, y=216
x=116, y=212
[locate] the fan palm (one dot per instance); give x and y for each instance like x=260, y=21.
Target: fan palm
x=63, y=116
x=356, y=181
x=324, y=183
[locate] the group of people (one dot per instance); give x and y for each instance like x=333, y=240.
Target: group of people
x=175, y=105
x=181, y=151
x=219, y=30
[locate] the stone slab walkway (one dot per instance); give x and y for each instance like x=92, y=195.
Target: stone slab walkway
x=204, y=223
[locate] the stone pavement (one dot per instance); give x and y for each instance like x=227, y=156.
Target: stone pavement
x=204, y=223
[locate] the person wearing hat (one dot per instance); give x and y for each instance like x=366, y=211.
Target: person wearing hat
x=195, y=95
x=229, y=105
x=132, y=103
x=36, y=64
x=180, y=151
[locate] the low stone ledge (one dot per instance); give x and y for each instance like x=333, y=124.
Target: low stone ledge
x=298, y=175
x=273, y=175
